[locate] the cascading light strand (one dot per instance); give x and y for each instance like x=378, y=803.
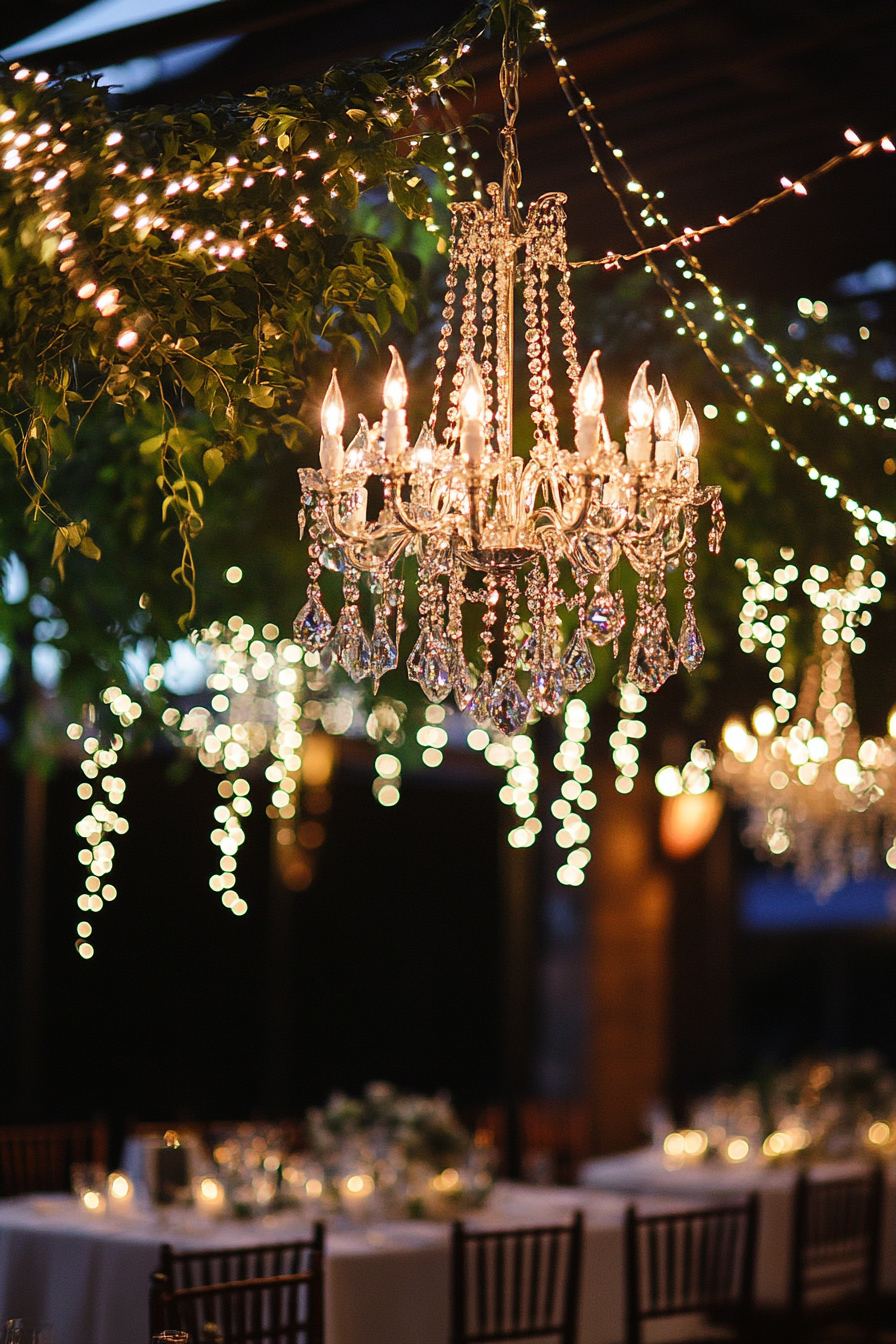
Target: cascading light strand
x=869, y=521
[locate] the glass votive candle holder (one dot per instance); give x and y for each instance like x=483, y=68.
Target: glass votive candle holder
x=119, y=1192
x=209, y=1197
x=88, y=1176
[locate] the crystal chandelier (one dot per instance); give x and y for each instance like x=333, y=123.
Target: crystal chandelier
x=817, y=794
x=544, y=528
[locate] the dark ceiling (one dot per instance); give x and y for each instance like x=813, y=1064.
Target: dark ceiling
x=711, y=102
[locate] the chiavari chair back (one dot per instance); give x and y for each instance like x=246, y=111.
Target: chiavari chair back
x=38, y=1158
x=516, y=1283
x=836, y=1246
x=279, y=1309
x=699, y=1262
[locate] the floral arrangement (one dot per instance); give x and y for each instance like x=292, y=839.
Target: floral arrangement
x=822, y=1109
x=396, y=1155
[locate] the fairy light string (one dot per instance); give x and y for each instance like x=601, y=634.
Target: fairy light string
x=102, y=823
x=869, y=521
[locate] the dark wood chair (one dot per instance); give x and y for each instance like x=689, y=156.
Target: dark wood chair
x=516, y=1284
x=279, y=1309
x=836, y=1251
x=699, y=1262
x=38, y=1158
x=180, y=1271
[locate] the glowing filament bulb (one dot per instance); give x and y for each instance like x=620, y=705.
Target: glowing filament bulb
x=332, y=412
x=640, y=401
x=590, y=397
x=666, y=419
x=395, y=388
x=689, y=434
x=472, y=394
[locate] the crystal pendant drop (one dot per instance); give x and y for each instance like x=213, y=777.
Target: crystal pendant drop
x=313, y=628
x=546, y=687
x=415, y=659
x=435, y=677
x=690, y=642
x=351, y=645
x=526, y=652
x=384, y=654
x=605, y=617
x=654, y=655
x=577, y=665
x=508, y=707
x=461, y=681
x=300, y=518
x=479, y=704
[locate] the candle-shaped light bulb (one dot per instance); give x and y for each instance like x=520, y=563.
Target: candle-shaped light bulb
x=472, y=394
x=332, y=411
x=472, y=413
x=689, y=434
x=395, y=395
x=640, y=401
x=590, y=397
x=589, y=403
x=638, y=438
x=688, y=444
x=666, y=418
x=395, y=388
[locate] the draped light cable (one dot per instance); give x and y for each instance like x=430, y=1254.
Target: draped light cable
x=869, y=521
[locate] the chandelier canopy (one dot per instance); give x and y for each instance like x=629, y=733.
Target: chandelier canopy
x=544, y=526
x=817, y=793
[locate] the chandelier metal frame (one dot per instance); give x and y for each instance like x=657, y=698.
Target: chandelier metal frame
x=462, y=499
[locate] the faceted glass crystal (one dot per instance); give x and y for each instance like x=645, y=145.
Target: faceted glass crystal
x=690, y=642
x=508, y=707
x=577, y=665
x=383, y=650
x=605, y=618
x=351, y=645
x=479, y=704
x=435, y=677
x=313, y=628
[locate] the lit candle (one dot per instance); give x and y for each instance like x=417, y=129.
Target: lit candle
x=209, y=1196
x=94, y=1201
x=472, y=413
x=688, y=447
x=638, y=438
x=589, y=404
x=666, y=422
x=356, y=1191
x=332, y=420
x=395, y=396
x=120, y=1191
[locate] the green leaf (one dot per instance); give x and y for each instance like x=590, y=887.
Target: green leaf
x=260, y=395
x=213, y=463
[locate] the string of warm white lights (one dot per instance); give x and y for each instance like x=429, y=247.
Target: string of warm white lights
x=690, y=237
x=763, y=629
x=575, y=797
x=627, y=732
x=154, y=207
x=102, y=821
x=869, y=521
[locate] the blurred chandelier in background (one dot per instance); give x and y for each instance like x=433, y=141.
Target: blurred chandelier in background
x=461, y=499
x=817, y=794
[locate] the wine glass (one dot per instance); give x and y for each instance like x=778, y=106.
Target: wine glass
x=20, y=1331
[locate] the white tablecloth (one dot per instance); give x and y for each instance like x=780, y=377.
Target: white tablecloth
x=649, y=1172
x=387, y=1283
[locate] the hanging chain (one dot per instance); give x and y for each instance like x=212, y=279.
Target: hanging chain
x=510, y=92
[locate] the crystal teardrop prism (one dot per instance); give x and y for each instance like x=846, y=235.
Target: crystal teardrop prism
x=508, y=707
x=435, y=676
x=654, y=654
x=546, y=688
x=415, y=659
x=479, y=704
x=384, y=654
x=690, y=642
x=351, y=645
x=577, y=665
x=605, y=617
x=313, y=628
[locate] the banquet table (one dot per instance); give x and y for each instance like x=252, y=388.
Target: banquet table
x=386, y=1283
x=649, y=1172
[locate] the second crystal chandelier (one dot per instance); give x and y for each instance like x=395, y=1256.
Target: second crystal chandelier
x=546, y=529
